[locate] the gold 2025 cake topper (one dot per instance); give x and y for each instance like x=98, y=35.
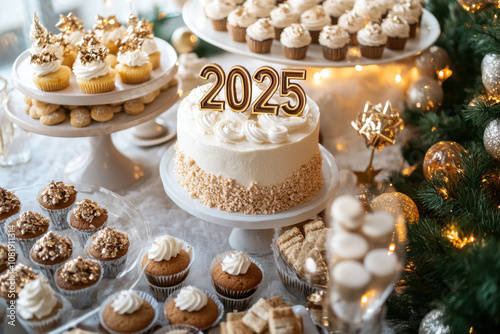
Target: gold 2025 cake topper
x=261, y=105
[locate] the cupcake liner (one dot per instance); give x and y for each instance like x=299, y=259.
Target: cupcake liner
x=237, y=33
x=233, y=293
x=154, y=58
x=210, y=295
x=24, y=245
x=396, y=43
x=314, y=36
x=102, y=84
x=82, y=298
x=171, y=280
x=334, y=54
x=295, y=53
x=353, y=39
x=219, y=25
x=84, y=235
x=372, y=52
x=413, y=30
x=43, y=326
x=134, y=75
x=168, y=328
x=58, y=218
x=232, y=304
x=256, y=46
x=111, y=268
x=162, y=293
x=4, y=237
x=52, y=84
x=49, y=270
x=147, y=297
x=277, y=32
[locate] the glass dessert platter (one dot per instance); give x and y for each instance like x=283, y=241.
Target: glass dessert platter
x=102, y=164
x=251, y=233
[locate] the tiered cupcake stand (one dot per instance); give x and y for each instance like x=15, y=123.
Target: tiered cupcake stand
x=102, y=164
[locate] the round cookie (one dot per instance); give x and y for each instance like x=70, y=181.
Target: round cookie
x=241, y=282
x=200, y=319
x=27, y=100
x=116, y=108
x=70, y=107
x=101, y=113
x=34, y=112
x=54, y=118
x=133, y=107
x=157, y=92
x=80, y=117
x=164, y=268
x=38, y=103
x=148, y=98
x=47, y=109
x=27, y=108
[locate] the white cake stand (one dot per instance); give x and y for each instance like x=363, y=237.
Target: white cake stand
x=251, y=233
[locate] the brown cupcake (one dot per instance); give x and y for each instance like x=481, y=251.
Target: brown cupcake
x=9, y=205
x=56, y=200
x=259, y=46
x=16, y=278
x=165, y=268
x=109, y=247
x=27, y=229
x=87, y=218
x=236, y=33
x=8, y=256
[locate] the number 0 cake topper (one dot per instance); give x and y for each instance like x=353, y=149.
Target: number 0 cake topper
x=261, y=105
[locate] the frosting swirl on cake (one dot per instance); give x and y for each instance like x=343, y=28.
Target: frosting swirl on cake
x=261, y=30
x=36, y=300
x=236, y=263
x=191, y=299
x=165, y=247
x=127, y=302
x=227, y=131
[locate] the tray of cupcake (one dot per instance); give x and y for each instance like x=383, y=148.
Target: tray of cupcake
x=304, y=33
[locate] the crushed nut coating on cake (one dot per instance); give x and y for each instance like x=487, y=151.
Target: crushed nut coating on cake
x=16, y=278
x=226, y=195
x=57, y=192
x=8, y=201
x=87, y=210
x=52, y=247
x=81, y=270
x=110, y=242
x=32, y=222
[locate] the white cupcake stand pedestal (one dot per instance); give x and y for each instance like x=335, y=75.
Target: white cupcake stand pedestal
x=102, y=164
x=251, y=233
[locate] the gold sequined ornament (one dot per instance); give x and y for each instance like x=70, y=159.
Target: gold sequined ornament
x=473, y=6
x=434, y=63
x=397, y=203
x=426, y=94
x=184, y=41
x=490, y=73
x=442, y=161
x=491, y=139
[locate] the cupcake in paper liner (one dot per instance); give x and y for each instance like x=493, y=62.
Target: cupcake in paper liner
x=191, y=306
x=10, y=206
x=235, y=274
x=8, y=257
x=78, y=281
x=161, y=293
x=87, y=218
x=27, y=229
x=16, y=277
x=56, y=200
x=49, y=253
x=235, y=304
x=129, y=311
x=109, y=247
x=172, y=328
x=39, y=309
x=168, y=261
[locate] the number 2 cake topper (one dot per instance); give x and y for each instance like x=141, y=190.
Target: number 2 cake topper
x=261, y=105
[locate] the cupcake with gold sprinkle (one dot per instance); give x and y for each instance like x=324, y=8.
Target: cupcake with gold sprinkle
x=144, y=31
x=71, y=28
x=48, y=72
x=110, y=31
x=93, y=71
x=133, y=65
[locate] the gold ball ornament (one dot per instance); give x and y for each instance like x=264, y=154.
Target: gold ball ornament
x=490, y=73
x=442, y=161
x=433, y=61
x=473, y=6
x=397, y=203
x=183, y=40
x=426, y=94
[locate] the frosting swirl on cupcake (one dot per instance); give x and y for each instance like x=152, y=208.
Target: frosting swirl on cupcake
x=91, y=70
x=36, y=300
x=241, y=17
x=351, y=21
x=191, y=299
x=315, y=18
x=259, y=8
x=219, y=9
x=127, y=302
x=395, y=26
x=300, y=6
x=333, y=37
x=283, y=15
x=133, y=58
x=336, y=8
x=45, y=63
x=165, y=247
x=261, y=30
x=372, y=35
x=149, y=46
x=370, y=10
x=405, y=11
x=295, y=36
x=236, y=263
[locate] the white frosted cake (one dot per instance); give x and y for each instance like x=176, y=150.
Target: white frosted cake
x=255, y=164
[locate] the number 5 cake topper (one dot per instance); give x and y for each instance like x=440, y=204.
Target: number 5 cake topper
x=261, y=105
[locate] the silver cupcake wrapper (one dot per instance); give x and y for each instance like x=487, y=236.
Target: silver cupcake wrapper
x=82, y=235
x=166, y=329
x=4, y=238
x=233, y=293
x=162, y=293
x=58, y=218
x=171, y=280
x=231, y=304
x=111, y=268
x=43, y=326
x=24, y=245
x=219, y=304
x=82, y=298
x=147, y=297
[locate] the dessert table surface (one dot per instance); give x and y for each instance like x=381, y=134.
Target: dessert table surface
x=50, y=156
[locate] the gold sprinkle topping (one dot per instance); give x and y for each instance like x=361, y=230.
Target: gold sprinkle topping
x=397, y=19
x=88, y=210
x=106, y=24
x=129, y=43
x=92, y=55
x=89, y=40
x=31, y=223
x=8, y=201
x=132, y=20
x=39, y=30
x=44, y=57
x=57, y=192
x=51, y=247
x=17, y=278
x=81, y=270
x=69, y=24
x=109, y=242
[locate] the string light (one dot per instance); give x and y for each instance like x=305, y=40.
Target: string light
x=454, y=237
x=444, y=74
x=359, y=68
x=392, y=247
x=398, y=78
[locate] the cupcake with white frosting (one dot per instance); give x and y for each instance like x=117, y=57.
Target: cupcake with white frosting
x=370, y=10
x=93, y=71
x=351, y=22
x=259, y=8
x=110, y=31
x=300, y=6
x=281, y=17
x=260, y=36
x=411, y=12
x=314, y=20
x=372, y=41
x=238, y=22
x=415, y=6
x=218, y=11
x=143, y=30
x=133, y=65
x=71, y=28
x=397, y=31
x=39, y=308
x=335, y=8
x=295, y=41
x=334, y=42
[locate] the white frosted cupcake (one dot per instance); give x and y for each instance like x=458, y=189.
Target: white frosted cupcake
x=133, y=65
x=238, y=22
x=370, y=10
x=410, y=13
x=334, y=42
x=259, y=8
x=314, y=20
x=48, y=72
x=352, y=22
x=295, y=40
x=283, y=16
x=397, y=31
x=260, y=36
x=218, y=11
x=372, y=41
x=300, y=6
x=110, y=31
x=93, y=71
x=416, y=7
x=335, y=8
x=386, y=6
x=72, y=28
